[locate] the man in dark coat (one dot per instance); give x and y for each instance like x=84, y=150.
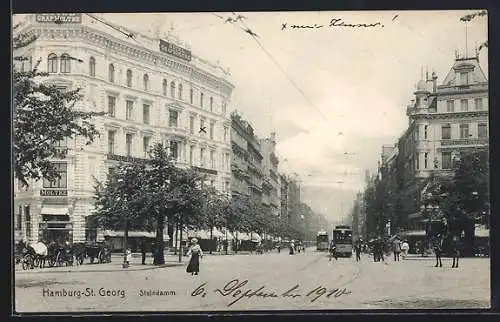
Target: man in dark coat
x=143, y=251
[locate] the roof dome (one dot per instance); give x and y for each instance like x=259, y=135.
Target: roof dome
x=421, y=85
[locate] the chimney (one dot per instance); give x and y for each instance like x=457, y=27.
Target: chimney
x=434, y=82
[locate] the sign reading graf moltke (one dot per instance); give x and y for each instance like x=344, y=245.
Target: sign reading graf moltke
x=59, y=17
x=175, y=50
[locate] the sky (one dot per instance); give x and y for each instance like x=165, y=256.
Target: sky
x=333, y=95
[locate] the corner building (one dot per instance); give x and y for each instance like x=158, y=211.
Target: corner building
x=151, y=89
x=444, y=121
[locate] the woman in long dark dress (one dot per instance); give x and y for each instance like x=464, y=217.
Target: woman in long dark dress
x=196, y=253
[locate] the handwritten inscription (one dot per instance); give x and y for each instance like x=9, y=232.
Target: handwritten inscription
x=335, y=22
x=236, y=290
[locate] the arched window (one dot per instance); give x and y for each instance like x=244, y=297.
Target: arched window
x=191, y=96
x=92, y=66
x=65, y=63
x=111, y=73
x=129, y=78
x=172, y=89
x=146, y=82
x=180, y=91
x=165, y=87
x=201, y=99
x=52, y=66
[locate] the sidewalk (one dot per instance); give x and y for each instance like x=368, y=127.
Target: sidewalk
x=115, y=265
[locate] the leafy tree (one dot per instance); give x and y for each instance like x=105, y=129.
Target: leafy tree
x=173, y=193
x=467, y=192
x=42, y=116
x=119, y=202
x=154, y=190
x=215, y=208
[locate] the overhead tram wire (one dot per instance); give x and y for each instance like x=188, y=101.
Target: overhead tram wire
x=127, y=34
x=254, y=36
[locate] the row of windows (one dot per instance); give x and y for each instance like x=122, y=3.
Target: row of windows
x=172, y=121
x=173, y=149
x=464, y=105
x=176, y=91
x=482, y=131
x=447, y=160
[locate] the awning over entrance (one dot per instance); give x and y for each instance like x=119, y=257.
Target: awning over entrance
x=55, y=210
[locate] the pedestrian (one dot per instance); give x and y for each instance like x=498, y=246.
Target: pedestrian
x=357, y=249
x=455, y=244
x=143, y=252
x=333, y=250
x=396, y=248
x=405, y=247
x=194, y=262
x=279, y=248
x=292, y=248
x=128, y=256
x=436, y=242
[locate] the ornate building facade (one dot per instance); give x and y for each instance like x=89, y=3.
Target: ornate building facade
x=444, y=121
x=151, y=89
x=246, y=164
x=271, y=185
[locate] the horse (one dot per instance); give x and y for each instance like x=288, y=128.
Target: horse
x=79, y=252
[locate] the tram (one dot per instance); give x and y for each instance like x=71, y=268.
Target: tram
x=342, y=238
x=322, y=241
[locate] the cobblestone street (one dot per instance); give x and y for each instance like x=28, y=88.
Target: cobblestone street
x=310, y=279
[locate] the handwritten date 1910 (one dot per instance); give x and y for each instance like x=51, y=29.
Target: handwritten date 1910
x=237, y=290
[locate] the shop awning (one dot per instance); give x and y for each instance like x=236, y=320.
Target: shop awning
x=482, y=232
x=54, y=210
x=113, y=233
x=413, y=233
x=415, y=215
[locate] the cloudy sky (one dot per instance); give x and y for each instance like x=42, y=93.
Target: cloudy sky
x=334, y=95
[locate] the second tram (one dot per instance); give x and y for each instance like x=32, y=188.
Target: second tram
x=322, y=242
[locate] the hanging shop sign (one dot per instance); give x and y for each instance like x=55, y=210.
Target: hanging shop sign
x=175, y=50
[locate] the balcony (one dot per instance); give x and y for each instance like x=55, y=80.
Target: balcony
x=205, y=170
x=465, y=142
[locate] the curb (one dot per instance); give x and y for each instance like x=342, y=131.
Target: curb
x=106, y=270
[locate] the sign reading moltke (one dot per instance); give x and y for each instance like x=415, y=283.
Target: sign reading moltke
x=53, y=193
x=175, y=50
x=59, y=17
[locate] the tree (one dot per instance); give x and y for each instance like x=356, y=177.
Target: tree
x=119, y=203
x=160, y=190
x=215, y=209
x=467, y=192
x=173, y=193
x=43, y=115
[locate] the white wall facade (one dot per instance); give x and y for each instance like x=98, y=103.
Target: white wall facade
x=84, y=41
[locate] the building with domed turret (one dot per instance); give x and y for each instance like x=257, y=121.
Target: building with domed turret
x=444, y=121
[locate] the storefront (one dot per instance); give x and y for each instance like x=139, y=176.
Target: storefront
x=55, y=225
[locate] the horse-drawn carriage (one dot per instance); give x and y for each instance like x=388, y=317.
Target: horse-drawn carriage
x=39, y=255
x=99, y=252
